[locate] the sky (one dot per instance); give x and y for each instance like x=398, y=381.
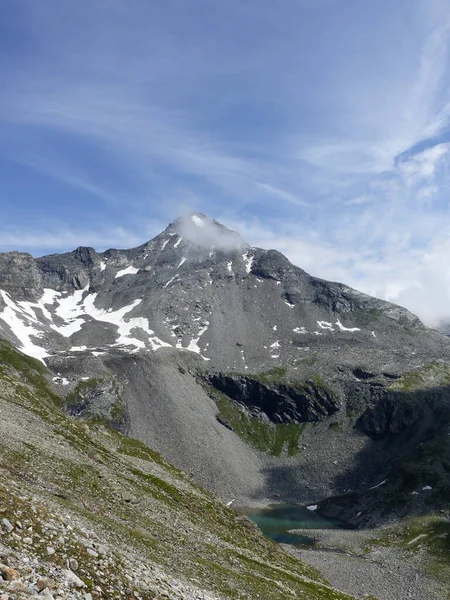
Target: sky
x=320, y=128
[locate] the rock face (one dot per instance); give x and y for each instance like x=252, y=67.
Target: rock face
x=197, y=312
x=279, y=402
x=99, y=398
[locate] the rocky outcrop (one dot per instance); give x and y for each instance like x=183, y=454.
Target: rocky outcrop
x=99, y=399
x=19, y=276
x=281, y=402
x=398, y=412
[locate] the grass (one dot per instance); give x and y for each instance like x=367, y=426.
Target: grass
x=271, y=438
x=137, y=449
x=365, y=318
x=418, y=534
x=31, y=371
x=335, y=426
x=272, y=376
x=77, y=395
x=435, y=374
x=259, y=432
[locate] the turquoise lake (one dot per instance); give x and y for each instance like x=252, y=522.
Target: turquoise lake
x=275, y=522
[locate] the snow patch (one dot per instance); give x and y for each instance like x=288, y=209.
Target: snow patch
x=74, y=310
x=197, y=221
x=378, y=485
x=193, y=344
x=178, y=242
x=182, y=261
x=128, y=271
x=289, y=304
x=20, y=322
x=312, y=507
x=300, y=330
x=230, y=266
x=60, y=380
x=417, y=538
x=170, y=281
x=102, y=265
x=342, y=328
x=275, y=345
x=325, y=325
x=248, y=260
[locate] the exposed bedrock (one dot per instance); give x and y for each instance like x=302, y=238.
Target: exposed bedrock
x=281, y=402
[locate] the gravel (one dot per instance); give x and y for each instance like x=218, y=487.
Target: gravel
x=386, y=573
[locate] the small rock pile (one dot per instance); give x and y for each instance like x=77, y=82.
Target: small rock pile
x=56, y=557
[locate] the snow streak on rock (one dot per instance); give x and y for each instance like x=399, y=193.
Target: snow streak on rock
x=325, y=325
x=248, y=261
x=342, y=328
x=128, y=271
x=20, y=321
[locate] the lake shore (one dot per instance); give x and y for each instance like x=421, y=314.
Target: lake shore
x=349, y=562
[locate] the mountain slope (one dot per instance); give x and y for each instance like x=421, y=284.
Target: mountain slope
x=85, y=510
x=236, y=365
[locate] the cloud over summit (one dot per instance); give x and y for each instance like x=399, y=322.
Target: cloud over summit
x=318, y=128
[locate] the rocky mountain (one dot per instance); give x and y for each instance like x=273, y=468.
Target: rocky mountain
x=240, y=368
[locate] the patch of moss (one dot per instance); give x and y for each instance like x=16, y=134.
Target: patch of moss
x=367, y=317
x=76, y=395
x=435, y=374
x=32, y=371
x=335, y=426
x=416, y=534
x=137, y=449
x=272, y=376
x=273, y=439
x=310, y=361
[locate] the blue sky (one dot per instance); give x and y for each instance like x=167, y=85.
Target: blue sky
x=318, y=127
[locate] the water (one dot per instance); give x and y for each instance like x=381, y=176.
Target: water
x=276, y=522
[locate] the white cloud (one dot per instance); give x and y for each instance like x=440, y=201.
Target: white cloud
x=206, y=120
x=203, y=232
x=61, y=238
x=418, y=279
x=283, y=194
x=358, y=200
x=423, y=165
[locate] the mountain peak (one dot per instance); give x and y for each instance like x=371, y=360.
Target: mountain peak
x=201, y=230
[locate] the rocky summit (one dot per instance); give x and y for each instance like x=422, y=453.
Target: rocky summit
x=262, y=382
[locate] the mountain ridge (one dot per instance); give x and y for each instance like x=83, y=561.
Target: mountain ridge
x=202, y=333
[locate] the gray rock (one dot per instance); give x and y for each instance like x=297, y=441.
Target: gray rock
x=7, y=525
x=73, y=579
